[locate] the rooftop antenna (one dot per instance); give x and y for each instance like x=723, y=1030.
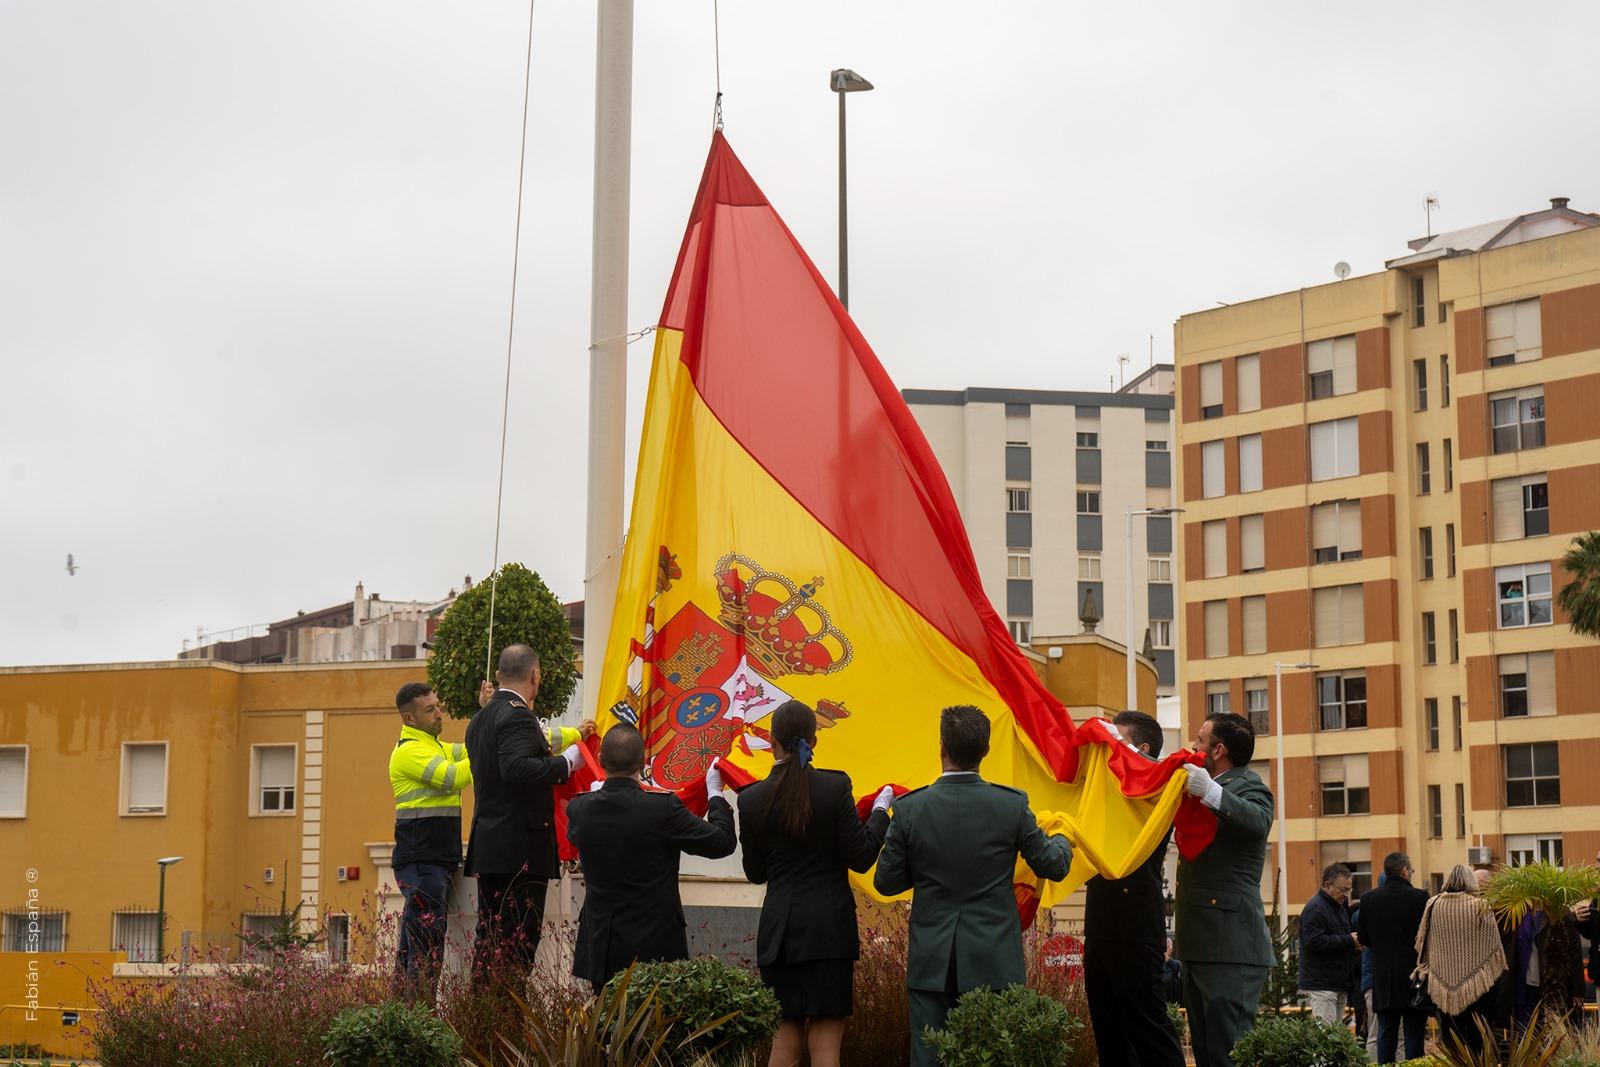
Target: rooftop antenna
x=1122, y=367
x=1152, y=350
x=1341, y=270
x=1429, y=206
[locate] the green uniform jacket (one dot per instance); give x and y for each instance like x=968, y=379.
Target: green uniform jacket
x=1218, y=915
x=955, y=845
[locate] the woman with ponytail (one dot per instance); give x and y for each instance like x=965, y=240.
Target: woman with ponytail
x=801, y=835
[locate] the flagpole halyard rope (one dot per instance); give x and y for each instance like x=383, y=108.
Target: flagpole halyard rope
x=511, y=333
x=716, y=46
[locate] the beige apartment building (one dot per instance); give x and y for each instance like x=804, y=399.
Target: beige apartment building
x=1380, y=477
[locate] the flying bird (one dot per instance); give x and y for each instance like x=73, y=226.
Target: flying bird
x=72, y=568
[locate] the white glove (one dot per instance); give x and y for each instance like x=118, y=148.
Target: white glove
x=570, y=754
x=594, y=786
x=885, y=798
x=1202, y=785
x=713, y=782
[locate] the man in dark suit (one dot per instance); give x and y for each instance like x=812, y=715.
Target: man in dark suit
x=1221, y=928
x=512, y=851
x=1387, y=923
x=1587, y=916
x=955, y=844
x=629, y=842
x=1124, y=938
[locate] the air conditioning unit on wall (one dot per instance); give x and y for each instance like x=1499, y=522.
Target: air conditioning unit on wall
x=1480, y=855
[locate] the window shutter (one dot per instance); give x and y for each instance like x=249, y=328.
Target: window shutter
x=277, y=766
x=1319, y=356
x=1211, y=384
x=1352, y=615
x=1355, y=771
x=1325, y=617
x=1515, y=663
x=1348, y=434
x=1216, y=628
x=1248, y=370
x=1505, y=495
x=1324, y=452
x=1529, y=334
x=1211, y=469
x=1344, y=365
x=1330, y=769
x=1349, y=526
x=1541, y=683
x=147, y=777
x=1325, y=526
x=1254, y=611
x=1214, y=535
x=1250, y=463
x=13, y=768
x=1501, y=331
x=1252, y=543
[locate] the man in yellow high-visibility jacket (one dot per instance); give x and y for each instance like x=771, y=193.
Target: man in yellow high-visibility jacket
x=427, y=776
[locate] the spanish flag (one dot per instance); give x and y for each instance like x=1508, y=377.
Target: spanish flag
x=792, y=536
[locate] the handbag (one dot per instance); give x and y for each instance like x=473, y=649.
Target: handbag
x=1419, y=998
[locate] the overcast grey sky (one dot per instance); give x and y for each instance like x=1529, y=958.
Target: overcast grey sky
x=254, y=259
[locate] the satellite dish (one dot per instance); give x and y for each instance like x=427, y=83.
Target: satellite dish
x=1341, y=270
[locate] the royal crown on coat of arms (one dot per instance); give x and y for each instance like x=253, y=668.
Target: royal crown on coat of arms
x=785, y=630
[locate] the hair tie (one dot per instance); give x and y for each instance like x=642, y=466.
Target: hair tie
x=802, y=752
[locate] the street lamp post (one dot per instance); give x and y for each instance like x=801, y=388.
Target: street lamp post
x=1283, y=822
x=1127, y=601
x=161, y=907
x=844, y=81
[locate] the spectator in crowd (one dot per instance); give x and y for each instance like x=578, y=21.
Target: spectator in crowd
x=1534, y=970
x=1172, y=977
x=1587, y=916
x=1328, y=946
x=1459, y=947
x=1388, y=923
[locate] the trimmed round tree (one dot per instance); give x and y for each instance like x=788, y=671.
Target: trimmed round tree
x=525, y=612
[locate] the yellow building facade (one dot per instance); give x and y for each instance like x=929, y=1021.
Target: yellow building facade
x=1380, y=477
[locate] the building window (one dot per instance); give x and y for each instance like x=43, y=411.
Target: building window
x=259, y=931
x=1344, y=784
x=13, y=781
x=1211, y=390
x=1252, y=543
x=1019, y=463
x=1449, y=465
x=1255, y=705
x=1088, y=440
x=1450, y=549
x=1019, y=565
x=338, y=934
x=274, y=779
x=1216, y=622
x=1337, y=616
x=1419, y=383
x=1088, y=502
x=1521, y=507
x=1425, y=543
x=1342, y=700
x=1523, y=591
x=1336, y=531
x=1250, y=463
x=1088, y=568
x=1218, y=701
x=1161, y=568
x=1523, y=849
x=1253, y=612
x=1021, y=630
x=1155, y=446
x=1161, y=633
x=1517, y=420
x=1335, y=449
x=1019, y=430
x=1212, y=482
x=1430, y=640
x=1527, y=684
x=1214, y=542
x=1533, y=775
x=1444, y=312
x=1444, y=373
x=1455, y=721
x=1430, y=712
x=1424, y=478
x=1247, y=372
x=1512, y=333
x=1435, y=814
x=1332, y=366
x=144, y=778
x=1461, y=810
x=1455, y=637
x=136, y=933
x=35, y=931
x=1357, y=855
x=1419, y=304
x=1018, y=499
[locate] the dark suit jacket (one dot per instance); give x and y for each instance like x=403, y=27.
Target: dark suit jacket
x=513, y=778
x=1387, y=923
x=1128, y=910
x=1590, y=928
x=1218, y=916
x=809, y=912
x=629, y=842
x=955, y=845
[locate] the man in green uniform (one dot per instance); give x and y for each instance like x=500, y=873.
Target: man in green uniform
x=955, y=843
x=1221, y=934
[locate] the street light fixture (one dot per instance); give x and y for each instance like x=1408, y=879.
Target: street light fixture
x=1133, y=691
x=844, y=81
x=1283, y=822
x=161, y=908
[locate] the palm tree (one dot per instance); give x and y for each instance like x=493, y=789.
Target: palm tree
x=1580, y=598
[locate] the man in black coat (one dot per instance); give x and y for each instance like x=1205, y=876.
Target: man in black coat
x=1587, y=917
x=512, y=851
x=1388, y=922
x=1328, y=946
x=1124, y=938
x=629, y=842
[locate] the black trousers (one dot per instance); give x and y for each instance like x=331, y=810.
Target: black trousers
x=1126, y=1005
x=510, y=923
